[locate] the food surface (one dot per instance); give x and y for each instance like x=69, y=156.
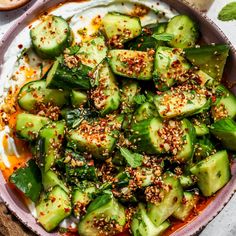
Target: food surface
x=119, y=123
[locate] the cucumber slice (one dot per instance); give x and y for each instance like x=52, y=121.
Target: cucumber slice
x=35, y=92
x=169, y=68
x=225, y=105
x=205, y=79
x=186, y=181
x=28, y=125
x=120, y=28
x=141, y=225
x=212, y=173
x=52, y=136
x=51, y=36
x=97, y=140
x=201, y=129
x=131, y=64
x=61, y=77
x=50, y=179
x=106, y=94
x=104, y=208
x=93, y=52
x=78, y=98
x=129, y=90
x=189, y=136
x=184, y=30
x=188, y=203
x=182, y=102
x=145, y=136
x=225, y=131
x=81, y=198
x=145, y=111
x=52, y=208
x=210, y=58
x=171, y=201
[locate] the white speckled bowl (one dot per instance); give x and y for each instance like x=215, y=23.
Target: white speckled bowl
x=211, y=34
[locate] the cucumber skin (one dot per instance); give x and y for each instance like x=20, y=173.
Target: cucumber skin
x=56, y=97
x=29, y=133
x=190, y=37
x=170, y=203
x=141, y=137
x=49, y=213
x=54, y=52
x=213, y=173
x=61, y=77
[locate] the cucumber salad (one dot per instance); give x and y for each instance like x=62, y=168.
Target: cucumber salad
x=129, y=129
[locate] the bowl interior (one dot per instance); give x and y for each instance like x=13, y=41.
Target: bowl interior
x=210, y=33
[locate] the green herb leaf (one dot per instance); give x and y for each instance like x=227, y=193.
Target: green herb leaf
x=140, y=99
x=28, y=180
x=163, y=37
x=133, y=159
x=228, y=12
x=73, y=49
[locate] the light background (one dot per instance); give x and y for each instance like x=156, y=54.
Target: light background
x=225, y=223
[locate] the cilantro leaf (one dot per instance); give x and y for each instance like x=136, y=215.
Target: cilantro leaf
x=140, y=99
x=133, y=159
x=73, y=49
x=163, y=37
x=228, y=12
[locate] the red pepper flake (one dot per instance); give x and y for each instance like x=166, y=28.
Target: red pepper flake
x=67, y=209
x=20, y=46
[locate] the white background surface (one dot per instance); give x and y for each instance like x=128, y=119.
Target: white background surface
x=225, y=223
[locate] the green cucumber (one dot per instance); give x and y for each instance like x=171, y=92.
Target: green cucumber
x=212, y=173
x=50, y=179
x=28, y=125
x=51, y=36
x=209, y=58
x=105, y=94
x=170, y=67
x=62, y=77
x=129, y=90
x=146, y=111
x=171, y=201
x=187, y=150
x=187, y=205
x=141, y=225
x=225, y=105
x=93, y=52
x=35, y=93
x=52, y=136
x=104, y=207
x=145, y=136
x=78, y=98
x=131, y=64
x=120, y=28
x=99, y=143
x=52, y=208
x=185, y=31
x=180, y=102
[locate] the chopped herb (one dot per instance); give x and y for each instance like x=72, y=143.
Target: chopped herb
x=133, y=159
x=73, y=49
x=228, y=12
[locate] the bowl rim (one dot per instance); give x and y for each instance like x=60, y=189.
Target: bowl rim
x=193, y=227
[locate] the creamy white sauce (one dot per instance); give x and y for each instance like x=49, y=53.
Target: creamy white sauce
x=81, y=15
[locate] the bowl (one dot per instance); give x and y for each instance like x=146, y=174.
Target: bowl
x=211, y=34
x=7, y=5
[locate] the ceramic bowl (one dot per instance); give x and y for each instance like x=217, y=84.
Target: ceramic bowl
x=211, y=34
x=7, y=5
